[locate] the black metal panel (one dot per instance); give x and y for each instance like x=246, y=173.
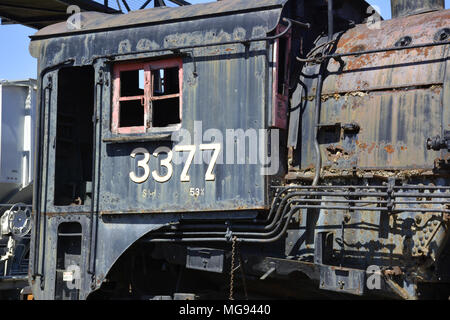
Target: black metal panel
x=232, y=80
x=205, y=259
x=245, y=187
x=162, y=16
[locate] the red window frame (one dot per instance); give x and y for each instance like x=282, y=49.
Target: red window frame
x=147, y=98
x=281, y=100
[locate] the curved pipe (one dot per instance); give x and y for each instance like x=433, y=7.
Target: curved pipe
x=318, y=165
x=243, y=240
x=239, y=234
x=275, y=221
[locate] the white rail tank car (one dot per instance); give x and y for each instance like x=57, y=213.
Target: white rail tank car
x=17, y=114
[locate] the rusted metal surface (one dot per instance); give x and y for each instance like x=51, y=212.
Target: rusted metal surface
x=378, y=109
x=390, y=70
x=403, y=89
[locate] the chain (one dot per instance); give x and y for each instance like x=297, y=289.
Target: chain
x=233, y=254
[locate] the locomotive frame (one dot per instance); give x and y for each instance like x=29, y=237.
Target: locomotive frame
x=103, y=218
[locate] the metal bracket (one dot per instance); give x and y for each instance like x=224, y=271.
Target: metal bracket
x=323, y=247
x=437, y=143
x=403, y=42
x=342, y=279
x=191, y=54
x=49, y=83
x=352, y=127
x=205, y=259
x=390, y=192
x=348, y=128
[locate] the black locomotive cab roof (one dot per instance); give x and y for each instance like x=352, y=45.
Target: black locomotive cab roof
x=97, y=22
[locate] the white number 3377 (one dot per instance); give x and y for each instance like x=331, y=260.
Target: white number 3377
x=167, y=162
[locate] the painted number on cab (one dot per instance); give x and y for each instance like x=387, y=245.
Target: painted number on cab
x=166, y=162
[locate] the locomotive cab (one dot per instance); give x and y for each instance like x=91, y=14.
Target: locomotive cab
x=173, y=142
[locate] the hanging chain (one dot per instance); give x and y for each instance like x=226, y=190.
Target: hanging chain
x=232, y=269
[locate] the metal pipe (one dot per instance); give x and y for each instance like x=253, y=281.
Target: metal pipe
x=144, y=4
x=245, y=233
x=224, y=239
x=374, y=194
x=331, y=187
x=11, y=204
x=94, y=202
x=318, y=105
x=288, y=198
x=245, y=237
x=277, y=221
x=359, y=53
x=47, y=143
x=330, y=20
x=408, y=187
x=417, y=46
x=126, y=5
x=249, y=227
x=318, y=165
x=276, y=234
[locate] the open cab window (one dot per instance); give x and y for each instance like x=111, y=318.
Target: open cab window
x=147, y=96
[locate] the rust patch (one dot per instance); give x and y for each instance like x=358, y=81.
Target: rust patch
x=328, y=172
x=372, y=146
x=389, y=149
x=334, y=153
x=358, y=48
x=362, y=146
x=368, y=72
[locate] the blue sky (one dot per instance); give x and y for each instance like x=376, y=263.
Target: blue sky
x=16, y=62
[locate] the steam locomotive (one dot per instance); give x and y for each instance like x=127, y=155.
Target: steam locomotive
x=243, y=149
